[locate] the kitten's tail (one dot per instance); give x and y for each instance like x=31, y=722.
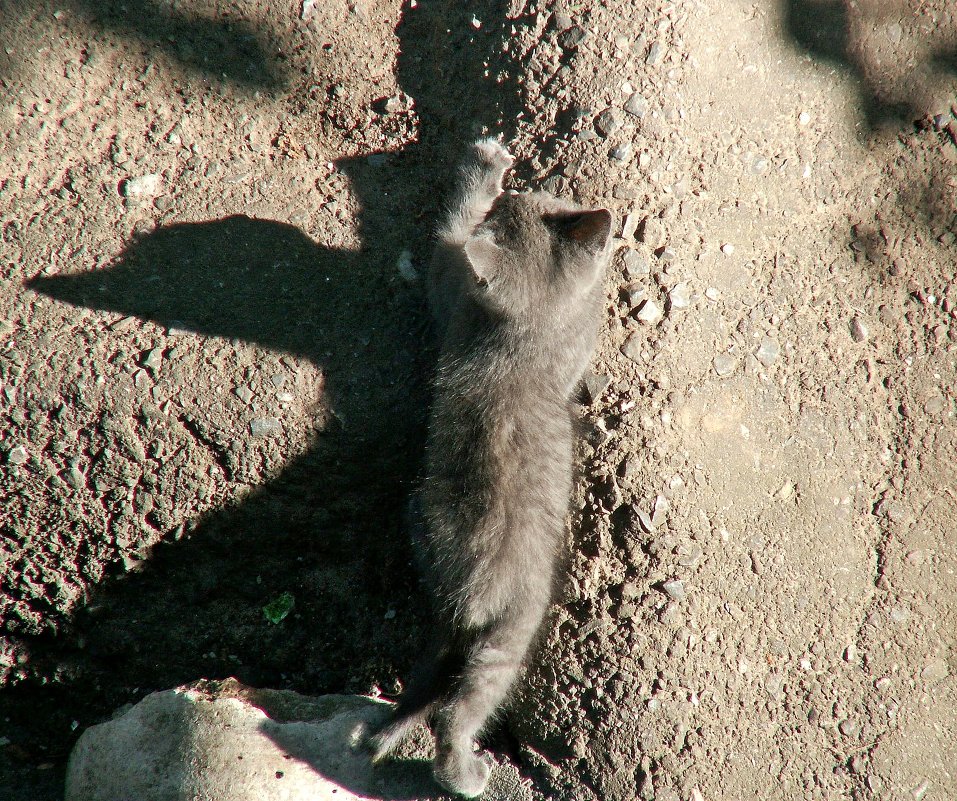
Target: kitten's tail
x=424, y=693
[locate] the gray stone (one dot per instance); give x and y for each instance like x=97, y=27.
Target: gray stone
x=633, y=347
x=767, y=351
x=680, y=296
x=724, y=364
x=608, y=121
x=634, y=295
x=572, y=37
x=75, y=478
x=649, y=313
x=636, y=105
x=636, y=265
x=595, y=385
x=18, y=455
x=265, y=427
x=620, y=152
x=662, y=505
x=655, y=53
x=154, y=359
x=859, y=332
x=674, y=589
x=144, y=186
x=229, y=742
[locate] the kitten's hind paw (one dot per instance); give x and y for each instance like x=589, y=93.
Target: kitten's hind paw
x=384, y=741
x=464, y=774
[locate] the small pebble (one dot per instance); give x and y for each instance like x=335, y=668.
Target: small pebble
x=572, y=37
x=680, y=296
x=936, y=670
x=636, y=265
x=608, y=122
x=636, y=105
x=154, y=359
x=629, y=225
x=727, y=248
x=406, y=268
x=649, y=313
x=244, y=393
x=655, y=53
x=662, y=505
x=711, y=293
x=75, y=478
x=724, y=364
x=633, y=347
x=634, y=295
x=620, y=152
x=265, y=427
x=849, y=727
x=859, y=332
x=18, y=455
x=804, y=118
x=935, y=404
x=145, y=186
x=595, y=385
x=767, y=352
x=644, y=520
x=675, y=589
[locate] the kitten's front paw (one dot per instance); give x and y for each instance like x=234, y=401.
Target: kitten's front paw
x=493, y=154
x=464, y=774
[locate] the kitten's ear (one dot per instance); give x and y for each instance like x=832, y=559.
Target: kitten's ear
x=483, y=256
x=590, y=229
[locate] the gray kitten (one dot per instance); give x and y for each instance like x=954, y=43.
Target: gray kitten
x=516, y=291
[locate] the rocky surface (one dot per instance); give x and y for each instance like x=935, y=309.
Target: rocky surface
x=214, y=362
x=226, y=741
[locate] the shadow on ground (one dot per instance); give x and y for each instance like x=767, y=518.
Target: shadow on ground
x=897, y=61
x=217, y=49
x=328, y=529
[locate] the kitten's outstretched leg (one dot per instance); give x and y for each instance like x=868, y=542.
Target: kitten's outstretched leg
x=482, y=175
x=494, y=663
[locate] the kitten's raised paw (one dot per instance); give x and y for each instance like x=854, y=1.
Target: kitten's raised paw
x=493, y=153
x=464, y=774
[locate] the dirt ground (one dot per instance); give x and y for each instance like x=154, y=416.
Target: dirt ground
x=215, y=358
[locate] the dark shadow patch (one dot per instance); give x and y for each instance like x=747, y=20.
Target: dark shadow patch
x=218, y=48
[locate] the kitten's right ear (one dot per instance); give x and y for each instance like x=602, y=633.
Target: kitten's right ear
x=588, y=228
x=483, y=256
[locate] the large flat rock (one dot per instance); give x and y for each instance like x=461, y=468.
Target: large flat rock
x=228, y=742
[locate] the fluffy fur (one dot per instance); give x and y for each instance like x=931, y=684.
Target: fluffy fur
x=516, y=292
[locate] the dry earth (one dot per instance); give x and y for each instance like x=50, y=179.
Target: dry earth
x=214, y=365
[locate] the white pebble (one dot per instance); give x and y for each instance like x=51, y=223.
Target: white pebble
x=649, y=313
x=406, y=268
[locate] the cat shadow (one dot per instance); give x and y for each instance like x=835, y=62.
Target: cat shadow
x=329, y=527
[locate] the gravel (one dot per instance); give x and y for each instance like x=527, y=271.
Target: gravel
x=724, y=364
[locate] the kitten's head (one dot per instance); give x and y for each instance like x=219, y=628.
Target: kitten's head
x=535, y=255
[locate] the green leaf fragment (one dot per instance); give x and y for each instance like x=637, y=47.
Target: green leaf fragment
x=278, y=608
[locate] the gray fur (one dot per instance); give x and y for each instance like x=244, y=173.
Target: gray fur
x=517, y=293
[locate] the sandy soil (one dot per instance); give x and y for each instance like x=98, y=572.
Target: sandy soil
x=214, y=365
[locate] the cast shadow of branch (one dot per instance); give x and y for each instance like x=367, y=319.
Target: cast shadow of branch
x=215, y=48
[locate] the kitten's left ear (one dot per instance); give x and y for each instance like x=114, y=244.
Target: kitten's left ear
x=483, y=256
x=590, y=229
